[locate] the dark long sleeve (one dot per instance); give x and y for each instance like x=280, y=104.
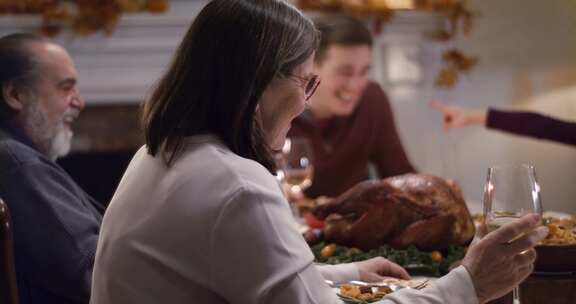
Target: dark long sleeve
x=56, y=226
x=56, y=231
x=532, y=125
x=345, y=145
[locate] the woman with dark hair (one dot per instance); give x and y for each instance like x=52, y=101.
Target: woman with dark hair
x=199, y=218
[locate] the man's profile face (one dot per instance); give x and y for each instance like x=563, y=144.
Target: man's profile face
x=344, y=71
x=54, y=101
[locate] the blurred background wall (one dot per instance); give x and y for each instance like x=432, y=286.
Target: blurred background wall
x=527, y=52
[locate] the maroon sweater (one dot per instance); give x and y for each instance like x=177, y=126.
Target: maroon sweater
x=533, y=125
x=343, y=146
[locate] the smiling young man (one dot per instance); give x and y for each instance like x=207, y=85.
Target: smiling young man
x=56, y=224
x=349, y=123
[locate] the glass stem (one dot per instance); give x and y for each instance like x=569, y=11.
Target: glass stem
x=516, y=295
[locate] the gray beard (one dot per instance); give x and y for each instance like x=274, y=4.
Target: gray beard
x=61, y=142
x=53, y=140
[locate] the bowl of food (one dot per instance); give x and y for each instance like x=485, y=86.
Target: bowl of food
x=557, y=253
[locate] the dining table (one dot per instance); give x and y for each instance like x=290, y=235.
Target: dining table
x=559, y=288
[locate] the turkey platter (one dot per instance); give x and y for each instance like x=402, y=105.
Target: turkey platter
x=411, y=209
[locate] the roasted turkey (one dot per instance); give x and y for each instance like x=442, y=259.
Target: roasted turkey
x=411, y=209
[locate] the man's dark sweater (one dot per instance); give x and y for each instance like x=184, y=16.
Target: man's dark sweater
x=56, y=224
x=344, y=146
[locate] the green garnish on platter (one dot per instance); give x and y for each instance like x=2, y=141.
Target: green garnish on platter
x=416, y=262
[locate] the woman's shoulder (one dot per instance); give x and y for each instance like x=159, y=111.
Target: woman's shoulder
x=219, y=167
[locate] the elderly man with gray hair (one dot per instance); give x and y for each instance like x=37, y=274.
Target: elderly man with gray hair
x=56, y=224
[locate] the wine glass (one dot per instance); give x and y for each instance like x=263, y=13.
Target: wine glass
x=295, y=171
x=297, y=166
x=510, y=192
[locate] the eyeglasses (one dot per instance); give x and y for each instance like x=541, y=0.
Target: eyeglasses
x=308, y=84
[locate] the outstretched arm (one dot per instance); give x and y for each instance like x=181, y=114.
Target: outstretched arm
x=533, y=125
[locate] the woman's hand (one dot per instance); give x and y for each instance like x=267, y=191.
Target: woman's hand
x=376, y=269
x=499, y=261
x=458, y=117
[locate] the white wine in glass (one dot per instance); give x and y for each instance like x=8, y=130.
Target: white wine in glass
x=510, y=192
x=299, y=179
x=500, y=219
x=294, y=171
x=298, y=168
